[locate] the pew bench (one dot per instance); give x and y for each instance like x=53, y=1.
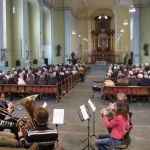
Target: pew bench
x=31, y=89
x=128, y=90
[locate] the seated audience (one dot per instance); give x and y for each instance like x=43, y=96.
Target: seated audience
x=21, y=80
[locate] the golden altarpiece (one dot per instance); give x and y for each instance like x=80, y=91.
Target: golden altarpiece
x=103, y=40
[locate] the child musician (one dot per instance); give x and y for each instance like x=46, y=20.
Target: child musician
x=118, y=124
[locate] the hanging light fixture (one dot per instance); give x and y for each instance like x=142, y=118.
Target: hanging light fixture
x=132, y=9
x=73, y=32
x=122, y=30
x=13, y=9
x=102, y=16
x=106, y=17
x=125, y=22
x=99, y=17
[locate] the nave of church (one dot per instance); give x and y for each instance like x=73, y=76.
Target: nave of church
x=39, y=36
x=74, y=131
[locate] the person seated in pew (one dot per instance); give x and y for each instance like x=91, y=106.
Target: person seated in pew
x=119, y=124
x=123, y=81
x=133, y=81
x=11, y=79
x=30, y=79
x=3, y=80
x=41, y=133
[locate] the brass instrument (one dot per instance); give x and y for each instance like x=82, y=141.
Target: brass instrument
x=26, y=123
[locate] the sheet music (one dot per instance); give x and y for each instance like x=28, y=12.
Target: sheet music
x=44, y=105
x=92, y=105
x=58, y=116
x=84, y=112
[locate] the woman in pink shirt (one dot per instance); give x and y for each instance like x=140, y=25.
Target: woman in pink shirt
x=119, y=124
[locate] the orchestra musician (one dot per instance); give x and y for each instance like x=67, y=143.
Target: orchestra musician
x=6, y=119
x=111, y=109
x=118, y=124
x=8, y=122
x=42, y=134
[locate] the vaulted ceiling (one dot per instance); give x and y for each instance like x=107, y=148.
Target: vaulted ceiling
x=79, y=6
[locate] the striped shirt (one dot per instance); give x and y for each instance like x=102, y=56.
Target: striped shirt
x=7, y=124
x=43, y=135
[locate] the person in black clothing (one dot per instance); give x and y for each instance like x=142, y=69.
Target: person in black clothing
x=7, y=121
x=42, y=134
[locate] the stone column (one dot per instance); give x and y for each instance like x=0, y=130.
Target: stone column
x=67, y=35
x=41, y=32
x=134, y=37
x=89, y=40
x=25, y=31
x=1, y=24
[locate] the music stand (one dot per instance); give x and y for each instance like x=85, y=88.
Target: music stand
x=93, y=110
x=84, y=114
x=58, y=118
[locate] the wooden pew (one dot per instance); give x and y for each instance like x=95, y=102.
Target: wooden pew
x=32, y=89
x=128, y=90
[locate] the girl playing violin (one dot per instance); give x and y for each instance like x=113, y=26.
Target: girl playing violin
x=118, y=124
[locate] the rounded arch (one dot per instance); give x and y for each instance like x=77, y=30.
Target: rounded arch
x=107, y=12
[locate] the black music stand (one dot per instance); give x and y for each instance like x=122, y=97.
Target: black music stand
x=84, y=114
x=58, y=118
x=93, y=110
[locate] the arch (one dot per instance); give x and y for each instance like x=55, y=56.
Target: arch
x=107, y=12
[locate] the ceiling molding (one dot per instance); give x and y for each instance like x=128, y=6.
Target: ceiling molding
x=144, y=5
x=66, y=8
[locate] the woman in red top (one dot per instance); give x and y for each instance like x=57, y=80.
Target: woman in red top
x=119, y=124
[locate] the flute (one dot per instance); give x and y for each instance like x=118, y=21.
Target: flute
x=111, y=106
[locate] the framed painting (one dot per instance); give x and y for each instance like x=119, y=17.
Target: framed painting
x=103, y=40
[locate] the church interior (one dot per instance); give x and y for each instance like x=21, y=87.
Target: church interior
x=63, y=50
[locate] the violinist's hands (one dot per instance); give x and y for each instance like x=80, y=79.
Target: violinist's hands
x=104, y=112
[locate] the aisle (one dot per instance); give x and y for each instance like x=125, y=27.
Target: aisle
x=74, y=131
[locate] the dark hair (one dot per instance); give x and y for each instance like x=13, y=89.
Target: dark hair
x=122, y=109
x=41, y=116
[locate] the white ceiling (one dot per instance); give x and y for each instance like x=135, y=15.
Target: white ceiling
x=101, y=3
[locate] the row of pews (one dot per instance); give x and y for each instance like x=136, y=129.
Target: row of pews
x=59, y=89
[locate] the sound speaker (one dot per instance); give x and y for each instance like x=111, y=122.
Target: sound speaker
x=35, y=61
x=46, y=61
x=17, y=63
